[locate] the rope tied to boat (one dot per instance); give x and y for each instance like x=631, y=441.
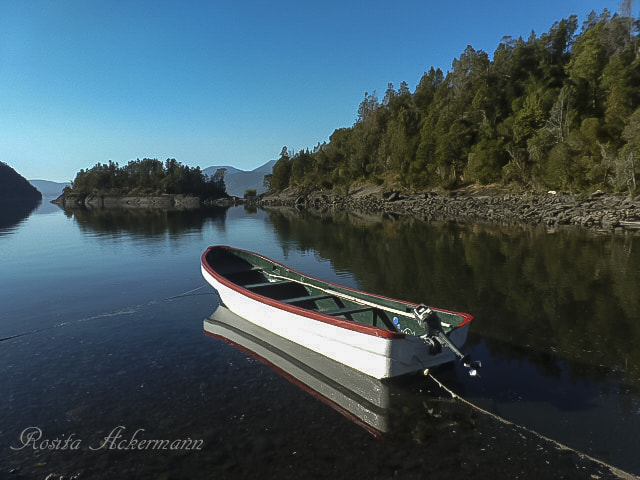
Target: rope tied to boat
x=122, y=311
x=189, y=293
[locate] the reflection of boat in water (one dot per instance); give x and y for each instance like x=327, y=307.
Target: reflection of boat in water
x=376, y=335
x=397, y=408
x=360, y=397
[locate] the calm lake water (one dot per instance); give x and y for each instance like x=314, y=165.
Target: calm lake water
x=103, y=348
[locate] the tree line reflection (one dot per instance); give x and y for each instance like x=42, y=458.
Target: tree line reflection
x=567, y=296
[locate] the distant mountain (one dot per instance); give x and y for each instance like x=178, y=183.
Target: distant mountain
x=48, y=188
x=267, y=168
x=238, y=181
x=18, y=198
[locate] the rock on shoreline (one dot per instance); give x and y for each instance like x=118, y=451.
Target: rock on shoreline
x=596, y=211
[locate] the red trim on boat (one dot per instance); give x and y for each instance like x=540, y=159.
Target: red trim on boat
x=349, y=325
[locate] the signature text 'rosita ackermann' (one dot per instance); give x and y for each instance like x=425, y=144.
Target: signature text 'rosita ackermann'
x=32, y=438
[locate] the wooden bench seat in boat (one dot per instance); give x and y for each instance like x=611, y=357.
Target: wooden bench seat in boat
x=378, y=316
x=348, y=310
x=252, y=286
x=277, y=290
x=246, y=276
x=307, y=298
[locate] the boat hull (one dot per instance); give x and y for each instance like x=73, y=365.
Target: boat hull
x=376, y=353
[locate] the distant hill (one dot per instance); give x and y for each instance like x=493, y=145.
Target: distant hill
x=48, y=188
x=18, y=198
x=15, y=189
x=238, y=181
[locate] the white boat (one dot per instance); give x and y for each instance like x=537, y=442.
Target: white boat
x=376, y=335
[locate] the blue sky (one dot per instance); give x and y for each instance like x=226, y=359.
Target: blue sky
x=222, y=82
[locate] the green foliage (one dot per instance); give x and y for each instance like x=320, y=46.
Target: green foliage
x=557, y=111
x=147, y=177
x=486, y=160
x=281, y=171
x=250, y=193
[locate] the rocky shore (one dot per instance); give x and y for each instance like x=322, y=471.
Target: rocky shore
x=597, y=211
x=171, y=202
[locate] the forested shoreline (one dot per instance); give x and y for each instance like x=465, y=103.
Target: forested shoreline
x=559, y=111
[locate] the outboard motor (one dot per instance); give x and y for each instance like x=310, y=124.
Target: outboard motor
x=436, y=339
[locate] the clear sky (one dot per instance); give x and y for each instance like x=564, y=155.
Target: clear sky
x=222, y=82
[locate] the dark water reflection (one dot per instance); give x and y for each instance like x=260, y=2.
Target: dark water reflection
x=145, y=223
x=12, y=214
x=539, y=296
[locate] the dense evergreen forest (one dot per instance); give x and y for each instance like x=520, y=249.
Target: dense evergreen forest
x=557, y=111
x=147, y=177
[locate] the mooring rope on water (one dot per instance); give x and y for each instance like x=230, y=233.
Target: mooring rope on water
x=188, y=293
x=122, y=311
x=616, y=471
x=28, y=333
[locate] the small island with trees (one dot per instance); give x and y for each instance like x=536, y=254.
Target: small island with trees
x=146, y=183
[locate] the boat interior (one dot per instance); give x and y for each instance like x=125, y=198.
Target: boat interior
x=272, y=281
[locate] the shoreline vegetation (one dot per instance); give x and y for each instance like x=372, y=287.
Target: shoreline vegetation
x=559, y=111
